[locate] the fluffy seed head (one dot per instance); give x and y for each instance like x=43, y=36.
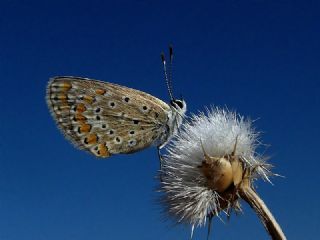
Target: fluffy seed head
x=207, y=146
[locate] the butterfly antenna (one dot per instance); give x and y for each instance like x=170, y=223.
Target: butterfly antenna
x=171, y=67
x=163, y=59
x=161, y=163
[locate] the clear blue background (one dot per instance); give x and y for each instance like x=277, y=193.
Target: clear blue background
x=259, y=57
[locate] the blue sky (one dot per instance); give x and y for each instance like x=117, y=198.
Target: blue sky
x=258, y=57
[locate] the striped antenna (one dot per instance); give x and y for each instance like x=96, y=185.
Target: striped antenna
x=170, y=66
x=163, y=59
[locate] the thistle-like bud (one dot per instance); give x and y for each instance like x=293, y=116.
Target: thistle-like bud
x=210, y=165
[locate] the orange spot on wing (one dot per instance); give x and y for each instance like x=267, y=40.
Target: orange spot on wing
x=62, y=86
x=59, y=96
x=62, y=109
x=91, y=138
x=62, y=98
x=100, y=91
x=80, y=117
x=80, y=108
x=85, y=128
x=88, y=99
x=65, y=86
x=103, y=150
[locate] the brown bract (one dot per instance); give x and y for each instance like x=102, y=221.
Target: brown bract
x=231, y=179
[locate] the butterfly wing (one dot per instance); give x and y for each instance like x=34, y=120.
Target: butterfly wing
x=105, y=118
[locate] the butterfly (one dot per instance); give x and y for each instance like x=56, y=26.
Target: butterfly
x=105, y=118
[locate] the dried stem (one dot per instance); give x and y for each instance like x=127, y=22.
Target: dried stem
x=269, y=222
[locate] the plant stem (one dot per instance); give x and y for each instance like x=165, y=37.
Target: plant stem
x=269, y=222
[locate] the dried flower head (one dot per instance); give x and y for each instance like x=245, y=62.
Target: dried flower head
x=210, y=164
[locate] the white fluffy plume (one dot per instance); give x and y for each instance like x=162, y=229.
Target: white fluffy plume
x=186, y=196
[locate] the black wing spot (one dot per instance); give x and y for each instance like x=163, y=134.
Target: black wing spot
x=135, y=121
x=112, y=104
x=98, y=117
x=132, y=142
x=144, y=109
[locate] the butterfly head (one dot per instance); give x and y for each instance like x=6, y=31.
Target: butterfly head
x=179, y=105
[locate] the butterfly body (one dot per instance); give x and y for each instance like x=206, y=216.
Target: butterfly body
x=105, y=118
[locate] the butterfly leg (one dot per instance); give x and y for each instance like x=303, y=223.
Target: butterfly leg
x=160, y=162
x=160, y=158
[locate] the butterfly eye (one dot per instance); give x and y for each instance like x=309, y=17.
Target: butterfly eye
x=178, y=103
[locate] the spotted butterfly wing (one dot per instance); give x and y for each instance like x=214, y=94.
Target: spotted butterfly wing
x=105, y=118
